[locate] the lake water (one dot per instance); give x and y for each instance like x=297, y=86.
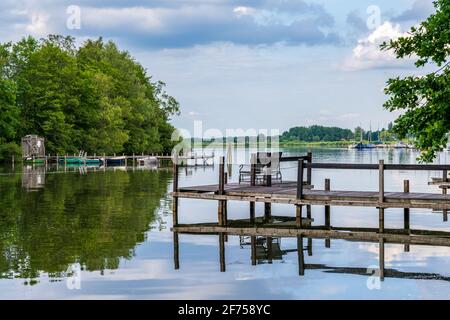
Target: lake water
x=69, y=233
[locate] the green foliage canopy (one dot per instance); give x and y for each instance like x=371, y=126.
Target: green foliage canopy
x=95, y=98
x=425, y=100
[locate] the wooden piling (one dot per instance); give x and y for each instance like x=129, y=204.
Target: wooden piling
x=301, y=258
x=221, y=204
x=175, y=189
x=406, y=216
x=381, y=181
x=299, y=192
x=267, y=211
x=381, y=219
x=309, y=170
x=176, y=251
x=381, y=258
x=269, y=250
x=222, y=252
x=253, y=249
x=310, y=252
x=444, y=191
x=252, y=211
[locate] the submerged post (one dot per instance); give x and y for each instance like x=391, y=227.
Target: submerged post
x=175, y=189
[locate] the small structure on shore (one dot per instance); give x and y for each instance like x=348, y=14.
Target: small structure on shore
x=33, y=147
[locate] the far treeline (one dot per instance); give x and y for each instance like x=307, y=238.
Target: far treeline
x=318, y=133
x=95, y=98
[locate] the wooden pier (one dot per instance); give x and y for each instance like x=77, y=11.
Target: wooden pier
x=302, y=194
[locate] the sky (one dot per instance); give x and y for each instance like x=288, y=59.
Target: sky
x=243, y=64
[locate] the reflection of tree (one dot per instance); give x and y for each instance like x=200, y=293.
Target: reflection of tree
x=93, y=219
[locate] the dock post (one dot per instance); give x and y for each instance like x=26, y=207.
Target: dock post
x=301, y=258
x=175, y=189
x=176, y=251
x=220, y=212
x=269, y=250
x=444, y=191
x=299, y=192
x=222, y=251
x=381, y=219
x=252, y=211
x=309, y=170
x=381, y=253
x=12, y=161
x=406, y=217
x=253, y=248
x=267, y=211
x=310, y=252
x=327, y=214
x=381, y=181
x=252, y=183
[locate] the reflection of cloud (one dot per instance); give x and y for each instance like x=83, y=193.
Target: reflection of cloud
x=367, y=53
x=419, y=255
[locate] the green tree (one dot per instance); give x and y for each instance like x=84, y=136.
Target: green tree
x=425, y=100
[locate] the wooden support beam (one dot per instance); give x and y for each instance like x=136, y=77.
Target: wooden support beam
x=381, y=219
x=269, y=250
x=252, y=211
x=381, y=181
x=406, y=216
x=267, y=211
x=175, y=189
x=301, y=166
x=298, y=216
x=221, y=205
x=176, y=251
x=381, y=258
x=444, y=191
x=222, y=251
x=327, y=213
x=309, y=170
x=253, y=249
x=310, y=252
x=253, y=161
x=301, y=258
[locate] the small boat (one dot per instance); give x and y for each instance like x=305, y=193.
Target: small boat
x=116, y=161
x=146, y=161
x=400, y=145
x=34, y=160
x=80, y=161
x=362, y=146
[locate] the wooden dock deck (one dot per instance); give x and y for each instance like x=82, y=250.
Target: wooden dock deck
x=302, y=192
x=287, y=193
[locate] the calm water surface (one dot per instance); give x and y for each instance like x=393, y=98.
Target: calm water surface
x=106, y=234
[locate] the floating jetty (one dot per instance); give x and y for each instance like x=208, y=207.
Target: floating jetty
x=302, y=195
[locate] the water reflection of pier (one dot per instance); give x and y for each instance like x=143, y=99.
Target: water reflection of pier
x=265, y=241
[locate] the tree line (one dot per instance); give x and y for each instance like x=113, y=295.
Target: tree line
x=94, y=97
x=317, y=133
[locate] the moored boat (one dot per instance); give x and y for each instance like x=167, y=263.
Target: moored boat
x=116, y=161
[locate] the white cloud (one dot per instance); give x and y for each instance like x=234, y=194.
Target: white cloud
x=38, y=24
x=243, y=11
x=367, y=53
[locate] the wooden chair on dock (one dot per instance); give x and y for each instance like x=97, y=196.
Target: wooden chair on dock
x=266, y=164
